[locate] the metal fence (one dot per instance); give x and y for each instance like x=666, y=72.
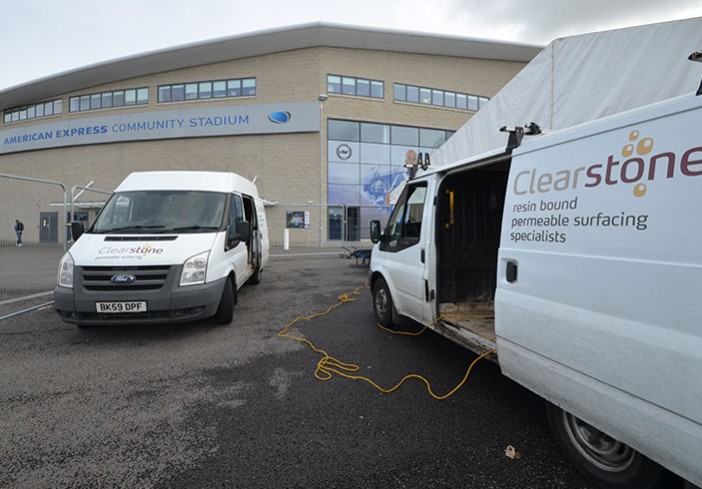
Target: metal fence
x=29, y=260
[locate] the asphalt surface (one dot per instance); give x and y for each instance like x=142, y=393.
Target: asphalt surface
x=207, y=406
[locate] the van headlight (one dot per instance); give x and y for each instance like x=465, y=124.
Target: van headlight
x=65, y=271
x=195, y=269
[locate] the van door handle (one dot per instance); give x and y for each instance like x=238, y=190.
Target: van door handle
x=422, y=256
x=511, y=271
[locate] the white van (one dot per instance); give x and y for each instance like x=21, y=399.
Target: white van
x=578, y=256
x=167, y=247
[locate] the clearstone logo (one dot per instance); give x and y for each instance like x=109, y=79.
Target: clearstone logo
x=280, y=117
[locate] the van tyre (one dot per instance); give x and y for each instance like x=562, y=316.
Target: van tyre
x=385, y=312
x=225, y=311
x=602, y=459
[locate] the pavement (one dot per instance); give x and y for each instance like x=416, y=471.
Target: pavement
x=237, y=406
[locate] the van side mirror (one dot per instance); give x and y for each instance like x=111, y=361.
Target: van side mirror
x=375, y=231
x=77, y=229
x=243, y=230
x=237, y=233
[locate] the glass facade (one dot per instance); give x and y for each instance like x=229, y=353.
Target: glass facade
x=365, y=165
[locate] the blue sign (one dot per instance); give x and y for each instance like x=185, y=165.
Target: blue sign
x=229, y=120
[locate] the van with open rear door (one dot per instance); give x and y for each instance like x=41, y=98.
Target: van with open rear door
x=577, y=257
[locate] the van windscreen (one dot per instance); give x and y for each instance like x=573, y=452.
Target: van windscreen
x=161, y=211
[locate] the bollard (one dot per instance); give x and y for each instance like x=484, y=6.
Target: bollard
x=286, y=239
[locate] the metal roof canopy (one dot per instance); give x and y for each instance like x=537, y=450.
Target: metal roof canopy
x=259, y=43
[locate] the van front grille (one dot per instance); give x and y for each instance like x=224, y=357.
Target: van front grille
x=150, y=277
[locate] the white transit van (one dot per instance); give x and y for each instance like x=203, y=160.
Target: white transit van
x=578, y=257
x=167, y=247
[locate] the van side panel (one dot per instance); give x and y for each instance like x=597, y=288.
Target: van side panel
x=603, y=317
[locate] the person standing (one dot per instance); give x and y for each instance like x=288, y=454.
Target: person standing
x=19, y=228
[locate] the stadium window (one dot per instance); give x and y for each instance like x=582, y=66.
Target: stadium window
x=343, y=130
x=129, y=97
x=233, y=88
x=84, y=103
x=178, y=93
x=118, y=98
x=219, y=89
x=164, y=93
x=472, y=103
x=95, y=101
x=333, y=84
x=348, y=86
x=34, y=111
x=438, y=97
x=142, y=96
x=248, y=86
x=205, y=90
x=425, y=95
x=359, y=87
x=450, y=99
x=404, y=136
x=375, y=133
x=190, y=91
x=462, y=101
x=399, y=92
x=363, y=87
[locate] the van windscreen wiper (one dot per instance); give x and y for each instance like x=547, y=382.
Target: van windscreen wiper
x=126, y=229
x=194, y=228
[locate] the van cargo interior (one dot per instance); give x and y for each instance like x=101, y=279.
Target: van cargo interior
x=470, y=207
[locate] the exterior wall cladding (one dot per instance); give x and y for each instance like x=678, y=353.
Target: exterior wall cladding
x=286, y=166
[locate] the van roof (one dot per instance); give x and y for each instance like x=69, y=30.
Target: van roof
x=209, y=181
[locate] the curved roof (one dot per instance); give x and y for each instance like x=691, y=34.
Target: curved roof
x=259, y=43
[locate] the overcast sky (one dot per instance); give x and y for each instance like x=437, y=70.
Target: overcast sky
x=40, y=38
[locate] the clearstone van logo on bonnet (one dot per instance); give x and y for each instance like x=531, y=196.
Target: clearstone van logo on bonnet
x=280, y=117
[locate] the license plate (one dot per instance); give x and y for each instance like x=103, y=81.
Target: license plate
x=117, y=307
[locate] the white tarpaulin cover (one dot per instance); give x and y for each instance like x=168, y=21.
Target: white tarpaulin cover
x=582, y=78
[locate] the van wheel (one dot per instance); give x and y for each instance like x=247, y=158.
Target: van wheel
x=255, y=279
x=607, y=462
x=225, y=311
x=383, y=305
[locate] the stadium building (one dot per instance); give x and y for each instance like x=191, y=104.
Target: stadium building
x=322, y=116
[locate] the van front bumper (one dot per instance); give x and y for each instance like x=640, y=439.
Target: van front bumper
x=170, y=304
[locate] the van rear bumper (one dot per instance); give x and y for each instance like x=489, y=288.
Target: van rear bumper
x=163, y=307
